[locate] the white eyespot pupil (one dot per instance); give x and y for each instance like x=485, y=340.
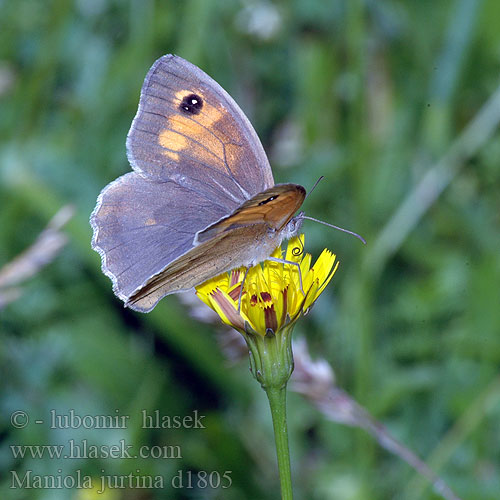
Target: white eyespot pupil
x=194, y=101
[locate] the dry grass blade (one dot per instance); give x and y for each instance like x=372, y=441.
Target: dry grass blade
x=43, y=251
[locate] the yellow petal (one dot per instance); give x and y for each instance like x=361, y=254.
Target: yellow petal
x=271, y=290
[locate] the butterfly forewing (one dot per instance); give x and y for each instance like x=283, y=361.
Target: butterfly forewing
x=188, y=129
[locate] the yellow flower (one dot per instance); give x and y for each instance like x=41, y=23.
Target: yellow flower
x=273, y=296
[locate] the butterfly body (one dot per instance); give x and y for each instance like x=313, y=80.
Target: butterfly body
x=201, y=199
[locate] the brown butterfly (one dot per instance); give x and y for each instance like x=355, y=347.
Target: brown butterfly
x=201, y=199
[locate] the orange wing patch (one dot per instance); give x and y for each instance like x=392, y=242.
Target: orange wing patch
x=172, y=142
x=195, y=131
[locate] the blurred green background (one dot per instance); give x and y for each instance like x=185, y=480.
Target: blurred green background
x=377, y=96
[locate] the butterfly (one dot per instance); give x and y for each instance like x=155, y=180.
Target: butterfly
x=201, y=198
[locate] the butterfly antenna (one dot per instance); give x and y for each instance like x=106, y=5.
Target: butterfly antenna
x=314, y=187
x=336, y=227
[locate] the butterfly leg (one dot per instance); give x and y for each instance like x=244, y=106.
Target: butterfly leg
x=241, y=289
x=283, y=261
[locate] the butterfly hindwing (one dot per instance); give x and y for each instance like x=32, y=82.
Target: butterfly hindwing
x=232, y=249
x=141, y=226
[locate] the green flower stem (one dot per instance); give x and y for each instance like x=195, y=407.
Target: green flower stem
x=271, y=361
x=277, y=402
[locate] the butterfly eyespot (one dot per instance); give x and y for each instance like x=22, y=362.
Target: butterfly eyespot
x=268, y=200
x=191, y=104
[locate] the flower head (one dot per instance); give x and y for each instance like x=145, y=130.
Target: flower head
x=274, y=294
